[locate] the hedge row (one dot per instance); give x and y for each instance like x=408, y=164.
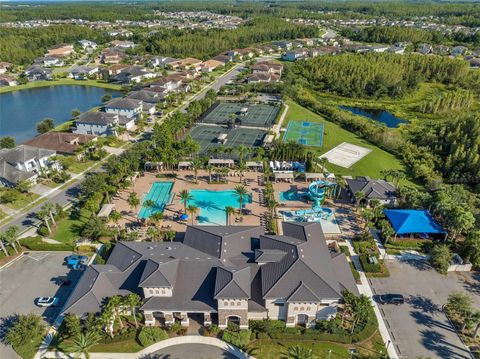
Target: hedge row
x=239, y=339
x=36, y=244
x=314, y=335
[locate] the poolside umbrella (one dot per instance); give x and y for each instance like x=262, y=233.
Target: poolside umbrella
x=184, y=217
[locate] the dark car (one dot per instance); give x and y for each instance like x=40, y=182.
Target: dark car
x=396, y=299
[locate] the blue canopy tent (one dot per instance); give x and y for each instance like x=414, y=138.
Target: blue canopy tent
x=410, y=221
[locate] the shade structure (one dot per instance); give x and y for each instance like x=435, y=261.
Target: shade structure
x=410, y=221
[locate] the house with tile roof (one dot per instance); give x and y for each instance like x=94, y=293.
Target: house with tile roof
x=223, y=274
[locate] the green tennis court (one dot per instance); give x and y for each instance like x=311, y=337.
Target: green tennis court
x=245, y=114
x=305, y=133
x=207, y=137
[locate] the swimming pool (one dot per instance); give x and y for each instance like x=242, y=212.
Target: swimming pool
x=290, y=195
x=329, y=224
x=160, y=193
x=212, y=205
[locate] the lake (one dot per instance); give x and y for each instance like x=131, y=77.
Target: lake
x=20, y=111
x=377, y=115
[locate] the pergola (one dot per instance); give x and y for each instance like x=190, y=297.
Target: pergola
x=221, y=162
x=255, y=165
x=309, y=176
x=284, y=176
x=184, y=165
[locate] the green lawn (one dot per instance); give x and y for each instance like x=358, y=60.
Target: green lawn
x=35, y=84
x=274, y=349
x=68, y=229
x=22, y=199
x=125, y=346
x=370, y=165
x=74, y=165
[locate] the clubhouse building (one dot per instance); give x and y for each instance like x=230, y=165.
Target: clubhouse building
x=218, y=274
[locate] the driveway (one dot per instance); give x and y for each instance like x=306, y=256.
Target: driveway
x=32, y=275
x=419, y=327
x=191, y=351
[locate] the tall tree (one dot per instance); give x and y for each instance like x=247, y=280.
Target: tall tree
x=133, y=301
x=241, y=192
x=229, y=210
x=185, y=196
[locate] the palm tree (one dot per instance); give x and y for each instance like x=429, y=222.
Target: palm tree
x=192, y=209
x=241, y=192
x=185, y=196
x=197, y=164
x=44, y=216
x=359, y=196
x=149, y=203
x=153, y=233
x=243, y=151
x=2, y=244
x=229, y=210
x=209, y=168
x=322, y=162
x=156, y=218
x=241, y=168
x=11, y=237
x=50, y=208
x=133, y=301
x=83, y=342
x=114, y=306
x=298, y=352
x=133, y=200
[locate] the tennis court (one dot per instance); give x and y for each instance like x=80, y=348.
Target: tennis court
x=244, y=114
x=207, y=137
x=346, y=154
x=305, y=133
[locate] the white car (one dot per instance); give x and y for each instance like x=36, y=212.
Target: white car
x=47, y=301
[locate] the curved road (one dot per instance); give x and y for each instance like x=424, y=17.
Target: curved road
x=191, y=351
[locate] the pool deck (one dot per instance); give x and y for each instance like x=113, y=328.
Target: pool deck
x=185, y=180
x=345, y=213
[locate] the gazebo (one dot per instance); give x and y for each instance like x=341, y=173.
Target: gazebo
x=221, y=162
x=407, y=222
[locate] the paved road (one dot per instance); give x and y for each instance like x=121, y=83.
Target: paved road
x=27, y=219
x=419, y=327
x=191, y=351
x=32, y=275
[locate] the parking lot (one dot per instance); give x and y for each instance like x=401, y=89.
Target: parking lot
x=419, y=327
x=33, y=275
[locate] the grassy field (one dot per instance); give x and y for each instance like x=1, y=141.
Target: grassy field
x=36, y=84
x=74, y=165
x=370, y=165
x=68, y=229
x=22, y=199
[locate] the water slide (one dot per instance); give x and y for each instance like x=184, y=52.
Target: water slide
x=316, y=193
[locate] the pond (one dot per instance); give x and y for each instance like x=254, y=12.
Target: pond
x=382, y=116
x=20, y=111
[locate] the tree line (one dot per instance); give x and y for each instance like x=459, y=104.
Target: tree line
x=376, y=75
x=458, y=100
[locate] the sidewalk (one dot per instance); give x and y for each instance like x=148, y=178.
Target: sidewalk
x=365, y=289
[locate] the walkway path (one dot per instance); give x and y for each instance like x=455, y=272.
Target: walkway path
x=364, y=288
x=277, y=127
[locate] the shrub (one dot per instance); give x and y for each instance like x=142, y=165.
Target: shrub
x=355, y=273
x=345, y=250
x=175, y=328
x=127, y=334
x=239, y=339
x=369, y=267
x=263, y=336
x=364, y=247
x=151, y=335
x=212, y=330
x=267, y=326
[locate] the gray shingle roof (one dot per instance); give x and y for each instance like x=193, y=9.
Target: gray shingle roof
x=159, y=272
x=303, y=294
x=124, y=103
x=269, y=255
x=24, y=153
x=101, y=118
x=373, y=189
x=231, y=283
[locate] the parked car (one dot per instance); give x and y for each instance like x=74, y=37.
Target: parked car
x=76, y=258
x=64, y=281
x=396, y=299
x=47, y=301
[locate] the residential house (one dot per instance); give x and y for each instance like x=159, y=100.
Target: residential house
x=132, y=74
x=123, y=44
x=126, y=107
x=305, y=42
x=379, y=48
x=441, y=50
x=120, y=33
x=223, y=274
x=168, y=83
x=64, y=143
x=113, y=70
x=8, y=81
x=24, y=163
x=397, y=50
x=380, y=189
x=262, y=78
x=222, y=58
x=82, y=72
x=38, y=73
x=190, y=63
x=4, y=67
x=147, y=96
x=282, y=45
x=424, y=49
x=162, y=61
x=295, y=55
x=60, y=50
x=97, y=124
x=113, y=55
x=240, y=53
x=87, y=45
x=210, y=65
x=458, y=51
x=267, y=68
x=50, y=61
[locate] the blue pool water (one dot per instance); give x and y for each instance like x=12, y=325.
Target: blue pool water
x=290, y=195
x=160, y=193
x=212, y=205
x=377, y=115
